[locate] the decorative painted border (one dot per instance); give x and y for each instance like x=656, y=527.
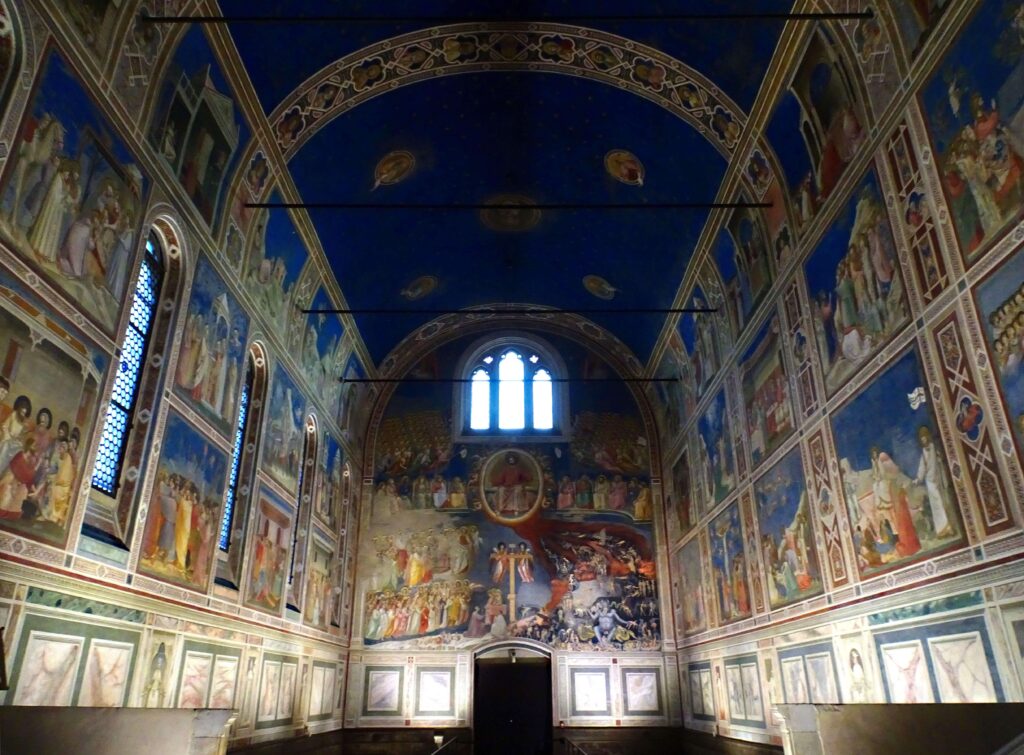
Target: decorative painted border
x=534, y=47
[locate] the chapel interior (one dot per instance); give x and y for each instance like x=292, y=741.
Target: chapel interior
x=587, y=378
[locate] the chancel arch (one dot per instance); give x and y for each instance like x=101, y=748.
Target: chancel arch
x=551, y=542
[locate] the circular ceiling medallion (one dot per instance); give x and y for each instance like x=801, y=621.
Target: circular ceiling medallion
x=510, y=213
x=624, y=166
x=599, y=287
x=393, y=168
x=422, y=286
x=511, y=486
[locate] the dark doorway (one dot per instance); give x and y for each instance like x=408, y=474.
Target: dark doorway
x=512, y=706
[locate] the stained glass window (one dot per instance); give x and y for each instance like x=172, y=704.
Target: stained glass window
x=236, y=458
x=134, y=346
x=510, y=392
x=511, y=398
x=480, y=401
x=543, y=414
x=305, y=488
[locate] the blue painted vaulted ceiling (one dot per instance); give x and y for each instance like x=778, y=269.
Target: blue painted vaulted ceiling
x=486, y=133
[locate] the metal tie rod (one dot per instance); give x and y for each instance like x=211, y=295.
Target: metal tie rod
x=470, y=380
x=505, y=206
x=484, y=19
x=512, y=311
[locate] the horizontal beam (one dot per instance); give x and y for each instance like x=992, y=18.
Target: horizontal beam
x=482, y=19
x=505, y=206
x=512, y=311
x=470, y=380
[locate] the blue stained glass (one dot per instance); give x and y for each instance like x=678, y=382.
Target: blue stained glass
x=113, y=439
x=140, y=314
x=236, y=463
x=104, y=475
x=309, y=451
x=128, y=368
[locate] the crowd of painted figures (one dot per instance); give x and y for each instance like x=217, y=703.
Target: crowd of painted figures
x=410, y=560
x=598, y=493
x=420, y=493
x=180, y=534
x=605, y=493
x=75, y=226
x=418, y=611
x=867, y=300
x=1008, y=334
x=896, y=515
x=38, y=466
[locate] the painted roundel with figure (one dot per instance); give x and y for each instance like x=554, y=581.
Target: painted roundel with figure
x=393, y=168
x=599, y=287
x=624, y=166
x=511, y=486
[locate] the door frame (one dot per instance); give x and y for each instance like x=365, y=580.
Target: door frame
x=532, y=648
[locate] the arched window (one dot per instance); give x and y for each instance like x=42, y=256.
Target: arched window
x=343, y=572
x=106, y=474
x=243, y=467
x=512, y=386
x=236, y=456
x=236, y=461
x=307, y=482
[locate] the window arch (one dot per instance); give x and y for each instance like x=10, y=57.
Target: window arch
x=344, y=562
x=238, y=452
x=511, y=385
x=307, y=483
x=12, y=38
x=121, y=448
x=243, y=465
x=135, y=341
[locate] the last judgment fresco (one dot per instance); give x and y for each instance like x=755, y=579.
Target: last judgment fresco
x=470, y=543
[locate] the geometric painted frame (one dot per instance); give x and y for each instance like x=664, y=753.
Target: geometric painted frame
x=625, y=673
x=814, y=652
x=577, y=673
x=77, y=633
x=273, y=719
x=382, y=672
x=698, y=671
x=436, y=671
x=329, y=672
x=216, y=653
x=924, y=637
x=741, y=665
